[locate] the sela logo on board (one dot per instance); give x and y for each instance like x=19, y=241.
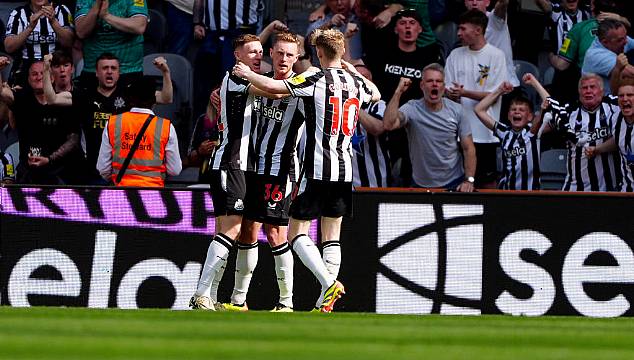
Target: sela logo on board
x=430, y=259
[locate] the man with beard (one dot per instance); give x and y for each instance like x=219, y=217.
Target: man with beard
x=49, y=137
x=95, y=106
x=434, y=124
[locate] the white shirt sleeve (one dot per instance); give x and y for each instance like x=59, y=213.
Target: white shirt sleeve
x=104, y=161
x=172, y=155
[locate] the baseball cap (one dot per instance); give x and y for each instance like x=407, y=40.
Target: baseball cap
x=410, y=13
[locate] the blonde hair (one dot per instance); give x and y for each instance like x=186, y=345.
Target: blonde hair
x=590, y=76
x=331, y=42
x=288, y=37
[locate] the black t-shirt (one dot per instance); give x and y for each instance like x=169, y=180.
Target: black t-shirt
x=94, y=111
x=389, y=66
x=42, y=129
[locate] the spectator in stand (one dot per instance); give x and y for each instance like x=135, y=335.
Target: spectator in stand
x=217, y=24
x=115, y=28
x=7, y=168
x=600, y=58
x=497, y=32
x=434, y=124
x=427, y=36
x=205, y=139
x=34, y=30
x=180, y=19
x=49, y=135
x=8, y=134
x=371, y=35
x=474, y=70
x=339, y=15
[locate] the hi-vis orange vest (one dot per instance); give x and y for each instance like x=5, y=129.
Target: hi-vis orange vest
x=147, y=166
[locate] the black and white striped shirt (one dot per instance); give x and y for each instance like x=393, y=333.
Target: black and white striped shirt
x=520, y=154
x=280, y=122
x=625, y=142
x=332, y=100
x=371, y=165
x=562, y=22
x=589, y=128
x=42, y=39
x=231, y=14
x=235, y=126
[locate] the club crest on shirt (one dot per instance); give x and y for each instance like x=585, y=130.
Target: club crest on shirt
x=239, y=205
x=119, y=102
x=296, y=80
x=484, y=73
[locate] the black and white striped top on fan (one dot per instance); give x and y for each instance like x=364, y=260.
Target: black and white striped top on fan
x=332, y=99
x=625, y=142
x=371, y=165
x=520, y=154
x=231, y=14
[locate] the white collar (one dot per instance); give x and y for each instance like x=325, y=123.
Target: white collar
x=142, y=111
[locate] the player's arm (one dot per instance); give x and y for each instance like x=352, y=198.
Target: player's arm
x=274, y=27
x=64, y=98
x=262, y=82
x=393, y=118
x=469, y=163
x=488, y=101
x=607, y=146
x=376, y=94
x=259, y=92
x=166, y=95
x=371, y=124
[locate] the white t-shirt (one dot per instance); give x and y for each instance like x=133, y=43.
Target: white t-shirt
x=497, y=34
x=482, y=70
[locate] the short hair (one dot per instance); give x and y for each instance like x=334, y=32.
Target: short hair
x=474, y=17
x=435, y=67
x=142, y=92
x=522, y=100
x=107, y=56
x=589, y=76
x=331, y=41
x=410, y=13
x=244, y=39
x=61, y=57
x=288, y=37
x=605, y=26
x=626, y=82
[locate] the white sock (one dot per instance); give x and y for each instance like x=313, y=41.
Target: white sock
x=309, y=255
x=216, y=258
x=284, y=270
x=331, y=254
x=215, y=284
x=246, y=261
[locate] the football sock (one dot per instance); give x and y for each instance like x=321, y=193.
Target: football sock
x=246, y=261
x=216, y=258
x=284, y=270
x=331, y=254
x=310, y=257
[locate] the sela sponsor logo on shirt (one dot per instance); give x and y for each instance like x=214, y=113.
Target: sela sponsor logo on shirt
x=516, y=151
x=272, y=112
x=403, y=71
x=599, y=133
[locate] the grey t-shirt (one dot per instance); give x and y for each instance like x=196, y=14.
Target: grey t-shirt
x=433, y=141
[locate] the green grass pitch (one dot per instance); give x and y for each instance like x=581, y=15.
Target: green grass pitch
x=79, y=333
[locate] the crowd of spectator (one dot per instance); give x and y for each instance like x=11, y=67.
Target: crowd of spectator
x=457, y=111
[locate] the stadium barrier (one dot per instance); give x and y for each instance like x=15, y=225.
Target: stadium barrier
x=411, y=252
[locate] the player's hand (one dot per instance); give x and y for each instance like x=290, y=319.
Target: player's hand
x=591, y=151
x=103, y=10
x=347, y=66
x=4, y=62
x=318, y=14
x=199, y=32
x=241, y=70
x=35, y=17
x=382, y=20
x=214, y=98
x=351, y=29
x=337, y=20
x=465, y=186
x=38, y=161
x=404, y=84
x=161, y=64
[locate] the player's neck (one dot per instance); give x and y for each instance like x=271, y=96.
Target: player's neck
x=282, y=76
x=331, y=63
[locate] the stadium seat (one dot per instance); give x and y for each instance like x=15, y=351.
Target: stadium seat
x=155, y=33
x=553, y=169
x=522, y=67
x=548, y=76
x=180, y=110
x=447, y=35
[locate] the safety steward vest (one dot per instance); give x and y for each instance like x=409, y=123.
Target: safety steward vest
x=147, y=166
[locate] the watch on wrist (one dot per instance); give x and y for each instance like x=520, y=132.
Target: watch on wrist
x=470, y=179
